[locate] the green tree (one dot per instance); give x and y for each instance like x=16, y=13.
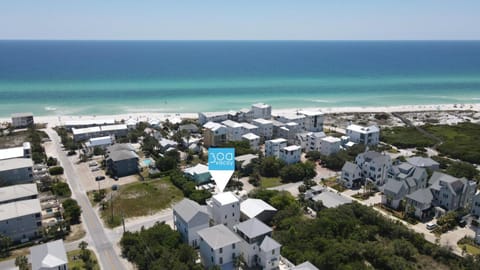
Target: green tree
x=21, y=262
x=57, y=170
x=72, y=211
x=5, y=243
x=271, y=166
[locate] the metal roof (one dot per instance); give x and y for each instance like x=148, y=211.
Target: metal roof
x=269, y=244
x=253, y=207
x=253, y=228
x=218, y=236
x=17, y=191
x=15, y=163
x=19, y=209
x=49, y=255
x=188, y=209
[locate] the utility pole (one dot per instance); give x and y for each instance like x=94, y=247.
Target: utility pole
x=123, y=222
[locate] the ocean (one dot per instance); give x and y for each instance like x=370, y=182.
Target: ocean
x=112, y=77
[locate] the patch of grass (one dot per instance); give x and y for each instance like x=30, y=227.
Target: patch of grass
x=140, y=199
x=75, y=262
x=405, y=137
x=363, y=196
x=268, y=182
x=472, y=250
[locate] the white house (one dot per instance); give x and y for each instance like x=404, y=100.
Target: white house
x=314, y=141
x=291, y=154
x=249, y=128
x=24, y=151
x=364, y=135
x=289, y=131
x=272, y=147
x=214, y=134
x=252, y=139
x=234, y=130
x=313, y=120
x=292, y=117
x=212, y=117
x=49, y=256
x=21, y=220
x=329, y=145
x=225, y=209
x=269, y=256
x=261, y=110
x=219, y=246
x=188, y=218
x=16, y=171
x=265, y=128
x=375, y=166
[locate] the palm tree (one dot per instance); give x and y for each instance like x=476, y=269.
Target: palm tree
x=21, y=262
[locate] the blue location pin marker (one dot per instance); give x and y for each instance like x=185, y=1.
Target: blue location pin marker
x=221, y=165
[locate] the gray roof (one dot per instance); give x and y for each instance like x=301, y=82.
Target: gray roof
x=331, y=199
x=418, y=172
x=17, y=191
x=218, y=236
x=49, y=255
x=422, y=162
x=269, y=244
x=15, y=163
x=305, y=266
x=253, y=228
x=19, y=209
x=422, y=195
x=411, y=182
x=370, y=155
x=24, y=114
x=188, y=209
x=453, y=183
x=120, y=146
x=350, y=167
x=393, y=186
x=189, y=127
x=122, y=155
x=405, y=167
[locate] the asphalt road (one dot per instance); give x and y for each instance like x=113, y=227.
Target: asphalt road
x=107, y=257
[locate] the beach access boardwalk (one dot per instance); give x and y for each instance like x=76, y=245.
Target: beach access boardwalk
x=106, y=254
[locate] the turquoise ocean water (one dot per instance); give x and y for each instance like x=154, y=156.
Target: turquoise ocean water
x=110, y=77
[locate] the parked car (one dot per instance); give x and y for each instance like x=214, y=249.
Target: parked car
x=430, y=226
x=115, y=178
x=114, y=187
x=94, y=169
x=92, y=164
x=100, y=178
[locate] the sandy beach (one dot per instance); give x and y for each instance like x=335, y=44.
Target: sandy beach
x=56, y=120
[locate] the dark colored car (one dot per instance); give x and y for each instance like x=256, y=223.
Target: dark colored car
x=115, y=178
x=100, y=178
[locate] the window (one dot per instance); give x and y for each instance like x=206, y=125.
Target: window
x=220, y=260
x=211, y=258
x=225, y=216
x=221, y=250
x=233, y=214
x=273, y=252
x=233, y=246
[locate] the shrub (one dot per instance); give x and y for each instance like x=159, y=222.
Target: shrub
x=57, y=170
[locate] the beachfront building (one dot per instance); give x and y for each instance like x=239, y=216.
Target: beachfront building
x=276, y=128
x=302, y=140
x=205, y=117
x=16, y=171
x=249, y=128
x=214, y=134
x=289, y=131
x=291, y=154
x=272, y=147
x=99, y=142
x=188, y=218
x=49, y=256
x=363, y=135
x=313, y=121
x=17, y=193
x=22, y=120
x=24, y=151
x=256, y=242
x=314, y=141
x=122, y=160
x=21, y=220
x=234, y=130
x=261, y=110
x=225, y=209
x=375, y=166
x=198, y=173
x=253, y=140
x=85, y=123
x=292, y=117
x=330, y=145
x=219, y=246
x=82, y=134
x=265, y=128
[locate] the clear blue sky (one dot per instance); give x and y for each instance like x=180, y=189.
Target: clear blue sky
x=240, y=19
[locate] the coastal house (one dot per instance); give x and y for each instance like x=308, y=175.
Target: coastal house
x=314, y=141
x=476, y=205
x=273, y=147
x=363, y=135
x=225, y=209
x=219, y=246
x=423, y=162
x=205, y=117
x=188, y=218
x=276, y=128
x=24, y=151
x=253, y=140
x=234, y=130
x=99, y=142
x=302, y=140
x=419, y=203
x=451, y=192
x=198, y=173
x=244, y=115
x=21, y=220
x=261, y=110
x=291, y=154
x=49, y=256
x=121, y=160
x=16, y=171
x=257, y=242
x=413, y=177
x=256, y=208
x=166, y=144
x=249, y=128
x=393, y=193
x=351, y=176
x=329, y=145
x=82, y=134
x=289, y=131
x=375, y=166
x=285, y=118
x=313, y=121
x=18, y=193
x=22, y=120
x=214, y=134
x=265, y=128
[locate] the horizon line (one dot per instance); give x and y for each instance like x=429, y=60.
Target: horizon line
x=289, y=40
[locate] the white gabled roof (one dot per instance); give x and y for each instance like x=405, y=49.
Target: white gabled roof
x=197, y=169
x=310, y=113
x=278, y=140
x=362, y=129
x=106, y=140
x=261, y=105
x=49, y=255
x=19, y=209
x=213, y=126
x=250, y=136
x=253, y=207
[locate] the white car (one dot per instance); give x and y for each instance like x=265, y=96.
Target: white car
x=430, y=226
